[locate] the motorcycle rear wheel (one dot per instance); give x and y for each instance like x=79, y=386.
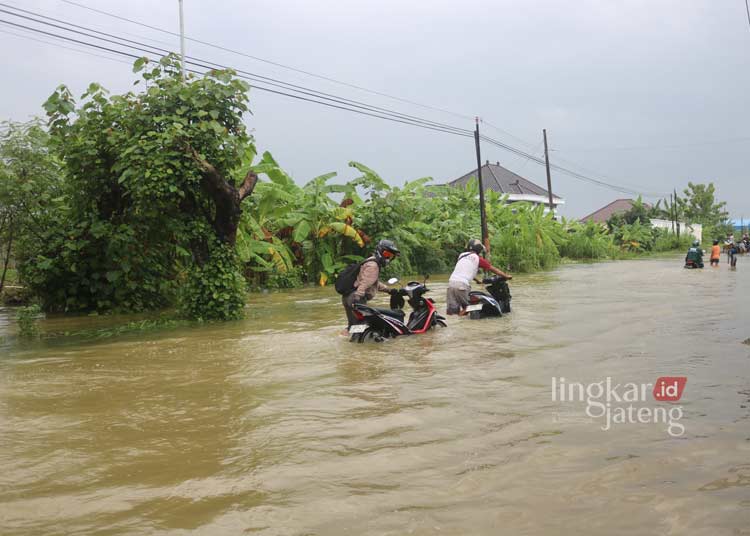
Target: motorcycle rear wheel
x=369, y=333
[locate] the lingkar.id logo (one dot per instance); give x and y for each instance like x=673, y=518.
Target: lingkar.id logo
x=626, y=403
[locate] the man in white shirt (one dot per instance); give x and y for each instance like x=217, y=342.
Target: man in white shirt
x=467, y=266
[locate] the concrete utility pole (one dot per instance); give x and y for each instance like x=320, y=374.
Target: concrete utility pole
x=482, y=212
x=672, y=213
x=676, y=213
x=182, y=41
x=549, y=177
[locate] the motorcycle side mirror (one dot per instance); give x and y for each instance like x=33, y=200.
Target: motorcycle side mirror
x=393, y=280
x=426, y=277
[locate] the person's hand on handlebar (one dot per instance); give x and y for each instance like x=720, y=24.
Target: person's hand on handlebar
x=499, y=272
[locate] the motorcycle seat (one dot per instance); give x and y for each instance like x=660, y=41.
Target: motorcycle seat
x=395, y=313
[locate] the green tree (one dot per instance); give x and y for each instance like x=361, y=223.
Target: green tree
x=700, y=205
x=155, y=184
x=31, y=193
x=638, y=212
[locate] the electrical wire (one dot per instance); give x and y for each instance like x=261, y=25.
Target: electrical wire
x=261, y=88
x=569, y=172
x=657, y=147
x=270, y=62
x=534, y=150
x=527, y=143
x=209, y=64
x=28, y=37
x=302, y=94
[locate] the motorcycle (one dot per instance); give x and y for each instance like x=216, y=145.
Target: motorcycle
x=693, y=264
x=379, y=324
x=496, y=303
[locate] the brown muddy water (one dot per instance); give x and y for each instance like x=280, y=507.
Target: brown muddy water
x=277, y=425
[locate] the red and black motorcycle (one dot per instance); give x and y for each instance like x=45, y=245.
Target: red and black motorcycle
x=379, y=324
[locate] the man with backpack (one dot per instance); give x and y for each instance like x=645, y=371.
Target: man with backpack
x=359, y=283
x=459, y=284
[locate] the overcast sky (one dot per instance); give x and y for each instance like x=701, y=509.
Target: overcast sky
x=644, y=93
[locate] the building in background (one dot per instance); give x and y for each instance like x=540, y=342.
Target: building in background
x=618, y=206
x=502, y=180
x=621, y=206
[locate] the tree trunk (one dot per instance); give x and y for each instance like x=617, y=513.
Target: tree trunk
x=226, y=197
x=7, y=252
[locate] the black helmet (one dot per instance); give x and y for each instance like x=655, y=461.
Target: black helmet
x=385, y=251
x=475, y=246
x=696, y=243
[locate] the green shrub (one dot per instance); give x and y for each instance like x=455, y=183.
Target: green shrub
x=27, y=318
x=523, y=238
x=667, y=241
x=587, y=241
x=292, y=278
x=215, y=290
x=634, y=237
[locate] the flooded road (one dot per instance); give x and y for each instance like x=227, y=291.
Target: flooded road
x=277, y=425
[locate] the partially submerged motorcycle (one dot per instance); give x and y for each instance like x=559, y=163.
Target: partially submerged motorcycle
x=379, y=324
x=496, y=303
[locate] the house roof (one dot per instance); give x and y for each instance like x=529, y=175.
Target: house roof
x=618, y=206
x=496, y=177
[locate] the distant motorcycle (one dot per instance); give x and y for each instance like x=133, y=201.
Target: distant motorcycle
x=379, y=324
x=496, y=303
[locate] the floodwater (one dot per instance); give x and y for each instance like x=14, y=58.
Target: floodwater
x=277, y=425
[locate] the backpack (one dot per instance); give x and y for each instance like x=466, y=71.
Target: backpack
x=348, y=276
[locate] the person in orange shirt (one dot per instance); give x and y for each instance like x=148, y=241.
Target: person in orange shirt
x=715, y=253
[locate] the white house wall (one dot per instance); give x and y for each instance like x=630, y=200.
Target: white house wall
x=694, y=229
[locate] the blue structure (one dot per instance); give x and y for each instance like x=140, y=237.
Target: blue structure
x=740, y=225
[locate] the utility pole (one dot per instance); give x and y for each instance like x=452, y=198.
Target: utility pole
x=182, y=42
x=549, y=177
x=482, y=213
x=677, y=223
x=671, y=210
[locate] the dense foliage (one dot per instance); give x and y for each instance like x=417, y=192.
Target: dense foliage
x=30, y=190
x=143, y=200
x=150, y=195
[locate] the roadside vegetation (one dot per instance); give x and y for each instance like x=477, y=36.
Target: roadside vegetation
x=158, y=199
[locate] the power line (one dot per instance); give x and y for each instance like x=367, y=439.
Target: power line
x=28, y=37
x=534, y=150
x=485, y=122
x=747, y=8
x=569, y=172
x=151, y=49
x=657, y=147
x=270, y=62
x=311, y=95
x=261, y=88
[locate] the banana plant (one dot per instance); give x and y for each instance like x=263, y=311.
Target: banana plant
x=304, y=224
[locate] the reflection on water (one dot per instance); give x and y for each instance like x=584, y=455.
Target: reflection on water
x=278, y=425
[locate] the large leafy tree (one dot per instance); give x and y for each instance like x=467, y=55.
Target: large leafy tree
x=700, y=205
x=155, y=184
